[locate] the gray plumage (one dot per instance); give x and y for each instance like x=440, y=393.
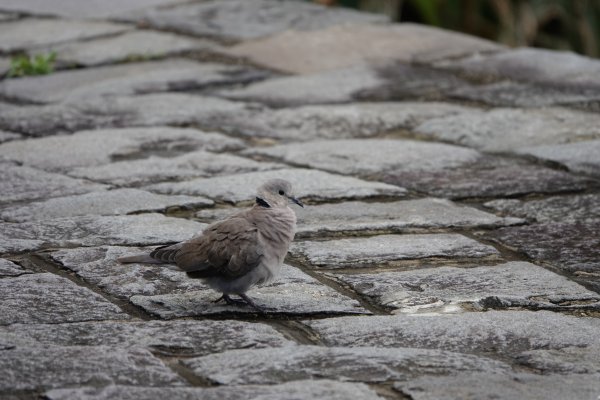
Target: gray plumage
x=241, y=251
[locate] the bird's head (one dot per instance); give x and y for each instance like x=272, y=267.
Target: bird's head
x=276, y=193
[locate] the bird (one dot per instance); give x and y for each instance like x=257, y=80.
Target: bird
x=244, y=250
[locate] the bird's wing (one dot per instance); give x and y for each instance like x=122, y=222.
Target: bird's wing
x=230, y=247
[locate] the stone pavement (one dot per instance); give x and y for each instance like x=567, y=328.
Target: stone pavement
x=450, y=248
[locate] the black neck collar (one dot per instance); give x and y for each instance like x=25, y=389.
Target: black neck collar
x=262, y=202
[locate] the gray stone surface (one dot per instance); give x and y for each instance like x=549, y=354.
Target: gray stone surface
x=144, y=229
x=30, y=368
x=125, y=79
x=32, y=33
x=24, y=183
x=295, y=390
x=445, y=289
x=398, y=216
x=308, y=184
x=133, y=45
x=504, y=333
x=63, y=301
x=248, y=19
x=8, y=136
x=501, y=387
x=551, y=209
x=4, y=65
x=9, y=268
x=505, y=129
x=571, y=360
x=265, y=366
x=344, y=121
x=148, y=110
x=388, y=249
x=159, y=169
x=103, y=146
x=578, y=157
x=370, y=156
x=350, y=44
x=294, y=293
x=172, y=337
x=112, y=202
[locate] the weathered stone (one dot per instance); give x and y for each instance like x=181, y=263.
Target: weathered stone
x=158, y=169
x=345, y=45
x=569, y=246
x=295, y=390
x=503, y=333
x=571, y=360
x=308, y=184
x=514, y=284
x=552, y=209
x=501, y=387
x=75, y=9
x=294, y=293
x=132, y=45
x=512, y=129
x=578, y=157
x=102, y=146
x=63, y=301
x=30, y=33
x=370, y=156
x=398, y=216
x=40, y=368
x=8, y=136
x=341, y=121
x=9, y=268
x=104, y=112
x=25, y=183
x=4, y=65
x=387, y=249
x=144, y=229
x=248, y=19
x=175, y=337
x=364, y=364
x=125, y=79
x=112, y=202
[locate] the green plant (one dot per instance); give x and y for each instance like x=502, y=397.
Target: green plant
x=39, y=64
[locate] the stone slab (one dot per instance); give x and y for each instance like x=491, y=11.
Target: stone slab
x=505, y=129
x=445, y=289
x=143, y=229
x=248, y=19
x=105, y=112
x=173, y=337
x=4, y=65
x=359, y=364
x=345, y=121
x=501, y=387
x=571, y=247
x=345, y=45
x=308, y=184
x=582, y=157
x=551, y=209
x=294, y=293
x=295, y=390
x=18, y=183
x=397, y=216
x=8, y=136
x=103, y=146
x=9, y=268
x=63, y=301
x=503, y=333
x=132, y=45
x=125, y=79
x=571, y=360
x=37, y=368
x=155, y=169
x=112, y=202
x=32, y=33
x=384, y=250
x=370, y=156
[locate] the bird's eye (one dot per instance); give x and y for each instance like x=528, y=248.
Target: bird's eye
x=281, y=192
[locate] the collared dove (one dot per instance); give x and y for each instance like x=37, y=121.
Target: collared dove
x=239, y=252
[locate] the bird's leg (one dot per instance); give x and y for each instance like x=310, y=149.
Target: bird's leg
x=230, y=301
x=251, y=303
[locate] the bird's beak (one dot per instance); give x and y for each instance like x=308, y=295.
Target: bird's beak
x=295, y=200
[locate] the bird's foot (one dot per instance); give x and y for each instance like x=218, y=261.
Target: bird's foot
x=246, y=301
x=252, y=304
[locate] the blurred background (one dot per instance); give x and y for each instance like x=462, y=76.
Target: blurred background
x=554, y=24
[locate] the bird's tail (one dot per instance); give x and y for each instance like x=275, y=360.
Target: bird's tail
x=138, y=258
